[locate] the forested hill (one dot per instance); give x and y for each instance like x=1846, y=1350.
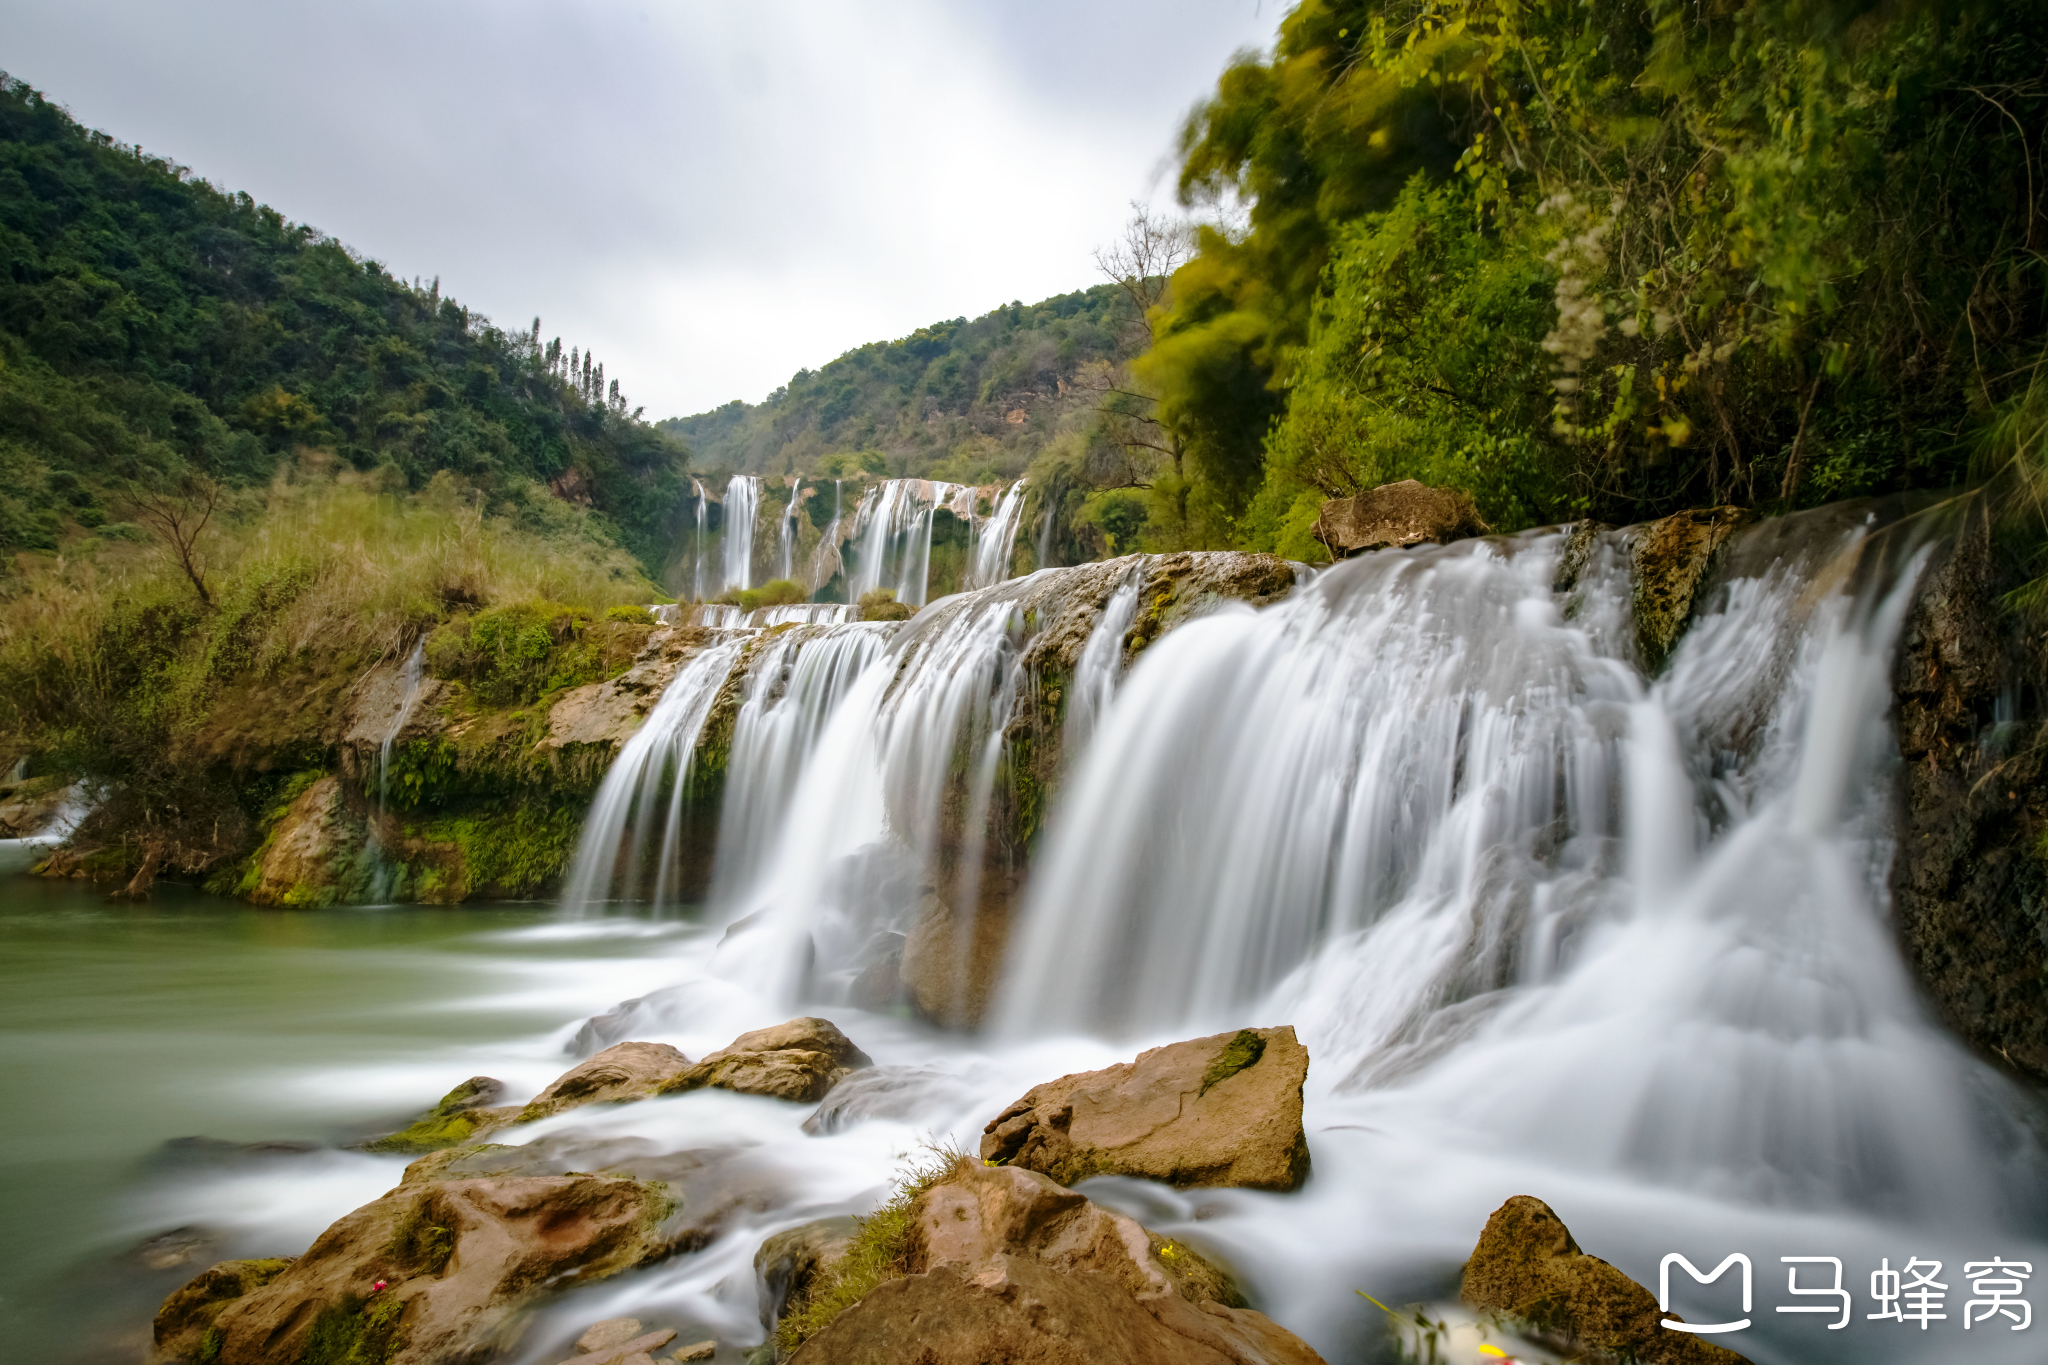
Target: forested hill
x=962, y=400
x=155, y=330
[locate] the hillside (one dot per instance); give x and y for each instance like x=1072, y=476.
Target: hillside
x=964, y=401
x=155, y=329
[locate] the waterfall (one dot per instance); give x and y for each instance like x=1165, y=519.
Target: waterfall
x=649, y=781
x=703, y=510
x=803, y=614
x=742, y=503
x=788, y=557
x=892, y=535
x=1101, y=666
x=995, y=541
x=409, y=681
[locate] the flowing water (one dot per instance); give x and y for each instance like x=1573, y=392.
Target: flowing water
x=742, y=505
x=1546, y=925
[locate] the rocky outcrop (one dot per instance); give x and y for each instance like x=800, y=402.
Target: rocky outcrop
x=790, y=1263
x=308, y=852
x=31, y=807
x=1969, y=881
x=605, y=714
x=1528, y=1268
x=799, y=1060
x=1672, y=558
x=463, y=1115
x=625, y=1071
x=431, y=1272
x=1005, y=1265
x=1224, y=1110
x=948, y=969
x=1395, y=516
x=180, y=1330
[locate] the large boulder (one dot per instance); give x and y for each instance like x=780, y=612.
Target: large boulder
x=1395, y=516
x=428, y=1273
x=1528, y=1268
x=1224, y=1110
x=799, y=1060
x=180, y=1330
x=948, y=969
x=305, y=861
x=1672, y=558
x=1005, y=1265
x=624, y=1071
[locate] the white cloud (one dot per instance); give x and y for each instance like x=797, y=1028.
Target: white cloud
x=710, y=196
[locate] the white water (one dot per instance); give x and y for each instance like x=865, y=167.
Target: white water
x=995, y=541
x=1546, y=927
x=892, y=538
x=646, y=784
x=742, y=504
x=409, y=679
x=787, y=559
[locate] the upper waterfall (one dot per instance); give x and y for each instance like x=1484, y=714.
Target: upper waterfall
x=742, y=504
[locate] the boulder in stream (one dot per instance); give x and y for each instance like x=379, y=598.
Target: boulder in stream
x=1003, y=1264
x=624, y=1071
x=1528, y=1268
x=1395, y=516
x=1672, y=558
x=1224, y=1110
x=463, y=1115
x=798, y=1060
x=428, y=1273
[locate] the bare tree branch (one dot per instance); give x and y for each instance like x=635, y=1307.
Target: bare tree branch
x=177, y=520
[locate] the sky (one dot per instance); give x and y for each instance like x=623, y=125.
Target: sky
x=710, y=196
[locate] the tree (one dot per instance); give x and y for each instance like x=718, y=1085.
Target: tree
x=177, y=519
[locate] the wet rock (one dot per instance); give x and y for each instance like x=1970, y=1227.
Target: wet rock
x=880, y=984
x=1969, y=882
x=463, y=1115
x=458, y=1260
x=887, y=1092
x=702, y=1350
x=1006, y=1265
x=624, y=1351
x=1581, y=538
x=380, y=702
x=1672, y=558
x=788, y=1264
x=610, y=1332
x=176, y=1248
x=1527, y=1267
x=1224, y=1110
x=603, y=715
x=624, y=1071
x=181, y=1325
x=306, y=858
x=799, y=1060
x=1395, y=516
x=949, y=969
x=28, y=808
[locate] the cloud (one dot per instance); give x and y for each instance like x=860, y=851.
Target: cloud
x=710, y=196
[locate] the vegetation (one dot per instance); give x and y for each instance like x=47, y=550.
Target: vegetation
x=156, y=331
x=1586, y=257
x=879, y=1252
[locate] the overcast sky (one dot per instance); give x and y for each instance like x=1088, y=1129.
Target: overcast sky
x=710, y=195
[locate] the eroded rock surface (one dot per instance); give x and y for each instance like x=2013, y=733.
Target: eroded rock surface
x=179, y=1332
x=799, y=1060
x=1224, y=1110
x=1671, y=559
x=300, y=865
x=624, y=1071
x=1395, y=516
x=457, y=1259
x=1008, y=1266
x=1527, y=1267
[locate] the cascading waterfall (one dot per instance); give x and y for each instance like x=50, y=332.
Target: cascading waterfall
x=742, y=505
x=802, y=614
x=892, y=535
x=787, y=561
x=1547, y=925
x=409, y=683
x=648, y=782
x=703, y=515
x=995, y=541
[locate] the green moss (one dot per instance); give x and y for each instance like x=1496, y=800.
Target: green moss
x=448, y=1124
x=209, y=1347
x=1240, y=1052
x=878, y=1253
x=515, y=654
x=355, y=1331
x=630, y=615
x=511, y=853
x=421, y=1243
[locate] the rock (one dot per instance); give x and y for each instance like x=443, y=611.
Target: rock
x=305, y=857
x=627, y=1351
x=788, y=1263
x=29, y=808
x=1581, y=538
x=1224, y=1110
x=1527, y=1267
x=182, y=1323
x=624, y=1071
x=888, y=1092
x=604, y=714
x=459, y=1261
x=799, y=1060
x=1396, y=516
x=880, y=984
x=703, y=1350
x=1007, y=1266
x=949, y=970
x=610, y=1332
x=1671, y=559
x=462, y=1116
